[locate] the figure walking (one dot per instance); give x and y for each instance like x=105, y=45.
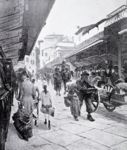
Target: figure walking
x=23, y=117
x=74, y=103
x=46, y=105
x=57, y=81
x=82, y=87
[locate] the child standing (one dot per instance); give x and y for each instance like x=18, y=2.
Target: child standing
x=46, y=105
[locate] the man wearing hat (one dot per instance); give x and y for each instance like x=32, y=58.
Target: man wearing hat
x=82, y=87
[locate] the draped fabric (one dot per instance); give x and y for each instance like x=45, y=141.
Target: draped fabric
x=6, y=97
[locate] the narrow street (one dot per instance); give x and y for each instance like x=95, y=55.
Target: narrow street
x=108, y=132
x=58, y=41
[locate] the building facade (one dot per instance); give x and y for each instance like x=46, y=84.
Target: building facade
x=108, y=43
x=48, y=50
x=54, y=47
x=30, y=62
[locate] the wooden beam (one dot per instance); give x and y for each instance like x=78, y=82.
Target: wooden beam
x=8, y=49
x=11, y=27
x=11, y=22
x=10, y=34
x=9, y=18
x=10, y=41
x=12, y=55
x=12, y=10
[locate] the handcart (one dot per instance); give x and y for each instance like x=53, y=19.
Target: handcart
x=112, y=97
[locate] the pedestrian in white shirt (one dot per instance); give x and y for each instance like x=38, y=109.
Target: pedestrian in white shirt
x=46, y=105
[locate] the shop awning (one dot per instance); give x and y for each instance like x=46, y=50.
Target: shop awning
x=83, y=49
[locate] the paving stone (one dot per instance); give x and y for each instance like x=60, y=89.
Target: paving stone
x=115, y=115
x=86, y=144
x=121, y=146
x=46, y=146
x=42, y=129
x=62, y=115
x=105, y=121
x=19, y=147
x=124, y=112
x=61, y=137
x=63, y=122
x=75, y=128
x=122, y=125
x=37, y=141
x=94, y=125
x=13, y=141
x=102, y=137
x=118, y=131
x=51, y=147
x=42, y=146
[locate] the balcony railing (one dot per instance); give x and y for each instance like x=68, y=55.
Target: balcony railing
x=116, y=15
x=91, y=40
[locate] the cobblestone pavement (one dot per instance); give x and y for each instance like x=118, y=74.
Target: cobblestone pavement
x=108, y=132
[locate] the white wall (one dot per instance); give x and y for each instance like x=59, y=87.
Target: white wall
x=48, y=51
x=80, y=38
x=30, y=62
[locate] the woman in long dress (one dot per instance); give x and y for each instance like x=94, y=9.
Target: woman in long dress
x=23, y=117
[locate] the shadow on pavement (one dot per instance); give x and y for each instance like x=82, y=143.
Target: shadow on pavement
x=115, y=116
x=12, y=128
x=41, y=126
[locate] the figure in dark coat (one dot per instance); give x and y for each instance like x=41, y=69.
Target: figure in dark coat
x=66, y=74
x=82, y=87
x=57, y=81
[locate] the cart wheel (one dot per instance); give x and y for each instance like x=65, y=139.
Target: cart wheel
x=108, y=88
x=109, y=108
x=95, y=102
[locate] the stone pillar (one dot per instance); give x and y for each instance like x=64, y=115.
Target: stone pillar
x=119, y=58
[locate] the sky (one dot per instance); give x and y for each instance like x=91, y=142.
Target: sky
x=66, y=15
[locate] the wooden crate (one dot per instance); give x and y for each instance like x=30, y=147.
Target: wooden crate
x=119, y=99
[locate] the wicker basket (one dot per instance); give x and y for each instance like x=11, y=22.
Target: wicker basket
x=67, y=102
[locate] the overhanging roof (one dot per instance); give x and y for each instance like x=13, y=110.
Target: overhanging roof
x=20, y=24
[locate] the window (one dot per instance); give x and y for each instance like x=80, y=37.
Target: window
x=32, y=62
x=42, y=53
x=27, y=59
x=46, y=54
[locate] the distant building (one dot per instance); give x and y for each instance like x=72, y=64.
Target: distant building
x=47, y=48
x=30, y=62
x=80, y=38
x=53, y=47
